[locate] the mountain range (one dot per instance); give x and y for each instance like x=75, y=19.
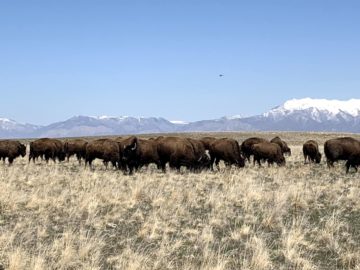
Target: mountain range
x=294, y=115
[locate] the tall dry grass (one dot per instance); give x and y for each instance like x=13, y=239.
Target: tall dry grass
x=62, y=216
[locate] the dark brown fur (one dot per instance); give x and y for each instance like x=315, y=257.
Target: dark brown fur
x=353, y=161
x=207, y=141
x=202, y=154
x=283, y=145
x=75, y=147
x=311, y=151
x=178, y=152
x=47, y=148
x=271, y=152
x=139, y=152
x=227, y=150
x=105, y=149
x=340, y=149
x=246, y=146
x=11, y=150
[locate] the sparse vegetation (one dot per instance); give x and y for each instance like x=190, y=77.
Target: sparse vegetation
x=64, y=216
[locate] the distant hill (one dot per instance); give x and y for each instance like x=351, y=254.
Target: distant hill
x=294, y=115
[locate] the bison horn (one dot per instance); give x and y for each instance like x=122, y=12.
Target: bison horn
x=134, y=147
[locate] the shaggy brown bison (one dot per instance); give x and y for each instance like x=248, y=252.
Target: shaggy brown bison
x=270, y=152
x=283, y=145
x=340, y=149
x=75, y=147
x=11, y=150
x=179, y=152
x=227, y=150
x=47, y=148
x=311, y=151
x=106, y=149
x=246, y=146
x=139, y=152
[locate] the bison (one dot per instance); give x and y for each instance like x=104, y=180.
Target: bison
x=11, y=150
x=271, y=152
x=75, y=147
x=106, y=149
x=311, y=151
x=340, y=149
x=283, y=145
x=47, y=148
x=139, y=152
x=227, y=150
x=179, y=152
x=246, y=146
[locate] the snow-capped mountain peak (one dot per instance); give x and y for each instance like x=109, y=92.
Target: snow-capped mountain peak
x=179, y=122
x=316, y=106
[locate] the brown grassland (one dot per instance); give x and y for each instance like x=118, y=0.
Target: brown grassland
x=65, y=216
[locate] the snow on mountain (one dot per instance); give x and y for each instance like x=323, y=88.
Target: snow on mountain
x=294, y=115
x=179, y=122
x=233, y=117
x=7, y=124
x=316, y=107
x=10, y=128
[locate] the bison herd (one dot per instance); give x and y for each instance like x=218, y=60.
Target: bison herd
x=132, y=153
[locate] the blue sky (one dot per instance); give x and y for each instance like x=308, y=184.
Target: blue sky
x=162, y=58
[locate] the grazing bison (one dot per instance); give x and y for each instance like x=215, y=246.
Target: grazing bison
x=227, y=150
x=139, y=152
x=340, y=149
x=353, y=161
x=246, y=146
x=106, y=149
x=47, y=148
x=311, y=151
x=271, y=152
x=179, y=152
x=75, y=147
x=11, y=150
x=283, y=145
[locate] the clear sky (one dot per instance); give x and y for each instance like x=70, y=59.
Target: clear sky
x=163, y=58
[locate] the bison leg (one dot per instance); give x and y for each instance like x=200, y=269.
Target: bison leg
x=257, y=159
x=217, y=164
x=330, y=163
x=347, y=166
x=10, y=159
x=78, y=156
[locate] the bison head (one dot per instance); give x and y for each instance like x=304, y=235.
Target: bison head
x=241, y=161
x=204, y=161
x=318, y=158
x=130, y=149
x=287, y=150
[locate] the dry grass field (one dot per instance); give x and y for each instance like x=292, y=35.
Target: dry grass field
x=64, y=216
